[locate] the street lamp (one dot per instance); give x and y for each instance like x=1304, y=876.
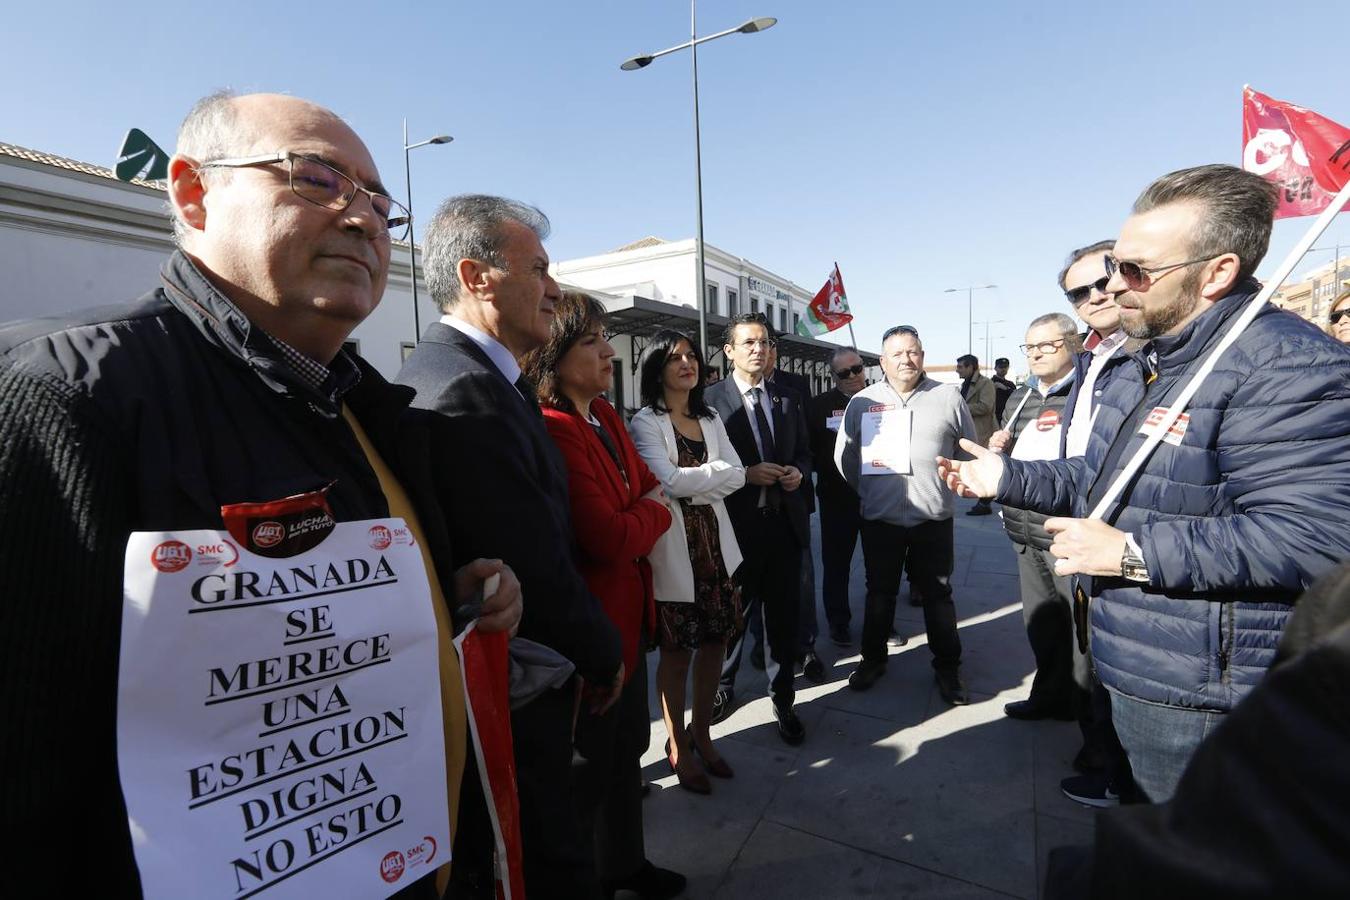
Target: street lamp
x=412, y=238
x=1335, y=274
x=970, y=309
x=988, y=346
x=638, y=62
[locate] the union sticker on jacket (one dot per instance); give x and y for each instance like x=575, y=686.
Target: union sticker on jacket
x=1174, y=434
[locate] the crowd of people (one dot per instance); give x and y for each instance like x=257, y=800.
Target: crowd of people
x=687, y=527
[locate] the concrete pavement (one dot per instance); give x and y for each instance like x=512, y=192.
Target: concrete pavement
x=893, y=793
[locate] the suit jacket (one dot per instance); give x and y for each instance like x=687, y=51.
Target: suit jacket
x=794, y=381
x=789, y=427
x=503, y=487
x=615, y=526
x=981, y=397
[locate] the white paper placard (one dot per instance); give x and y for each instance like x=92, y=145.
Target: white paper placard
x=279, y=725
x=835, y=420
x=885, y=440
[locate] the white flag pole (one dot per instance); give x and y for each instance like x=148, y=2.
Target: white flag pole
x=1239, y=325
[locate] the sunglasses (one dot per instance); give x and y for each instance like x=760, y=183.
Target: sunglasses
x=1137, y=277
x=1338, y=315
x=899, y=329
x=1080, y=295
x=841, y=374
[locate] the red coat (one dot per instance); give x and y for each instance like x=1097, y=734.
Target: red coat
x=614, y=527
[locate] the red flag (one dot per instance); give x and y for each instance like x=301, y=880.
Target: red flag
x=1305, y=154
x=828, y=310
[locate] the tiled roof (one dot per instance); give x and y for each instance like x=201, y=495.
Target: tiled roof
x=636, y=245
x=72, y=165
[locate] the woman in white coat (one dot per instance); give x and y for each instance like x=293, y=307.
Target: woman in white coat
x=683, y=442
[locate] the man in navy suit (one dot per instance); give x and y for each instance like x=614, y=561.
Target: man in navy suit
x=503, y=486
x=767, y=426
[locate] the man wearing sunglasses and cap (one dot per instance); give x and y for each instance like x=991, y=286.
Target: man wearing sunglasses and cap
x=225, y=386
x=1195, y=565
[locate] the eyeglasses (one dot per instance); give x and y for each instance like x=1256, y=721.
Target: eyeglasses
x=322, y=185
x=1136, y=277
x=758, y=342
x=1044, y=347
x=1338, y=315
x=843, y=373
x=1081, y=294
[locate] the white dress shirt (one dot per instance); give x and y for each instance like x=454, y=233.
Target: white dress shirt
x=1084, y=410
x=495, y=350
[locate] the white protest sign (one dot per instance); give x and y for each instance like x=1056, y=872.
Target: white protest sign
x=279, y=725
x=884, y=438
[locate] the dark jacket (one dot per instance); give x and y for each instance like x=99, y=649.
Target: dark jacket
x=789, y=426
x=508, y=482
x=143, y=417
x=830, y=485
x=1234, y=522
x=1026, y=526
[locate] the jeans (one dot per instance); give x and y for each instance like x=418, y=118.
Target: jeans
x=929, y=550
x=1159, y=740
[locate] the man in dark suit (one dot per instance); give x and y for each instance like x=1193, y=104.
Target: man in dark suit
x=505, y=489
x=839, y=516
x=767, y=426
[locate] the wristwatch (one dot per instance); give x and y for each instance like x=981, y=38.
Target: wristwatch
x=1132, y=562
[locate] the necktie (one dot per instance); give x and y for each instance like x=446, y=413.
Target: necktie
x=526, y=388
x=773, y=495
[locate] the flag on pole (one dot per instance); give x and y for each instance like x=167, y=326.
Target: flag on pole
x=1305, y=154
x=828, y=310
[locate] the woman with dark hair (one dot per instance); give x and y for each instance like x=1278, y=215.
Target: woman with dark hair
x=1338, y=322
x=618, y=512
x=698, y=608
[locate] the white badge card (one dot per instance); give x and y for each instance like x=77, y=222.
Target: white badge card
x=835, y=420
x=885, y=440
x=279, y=727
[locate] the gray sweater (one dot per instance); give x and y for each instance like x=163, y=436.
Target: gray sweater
x=940, y=418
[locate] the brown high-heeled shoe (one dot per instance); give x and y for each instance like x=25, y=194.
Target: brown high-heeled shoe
x=696, y=783
x=718, y=769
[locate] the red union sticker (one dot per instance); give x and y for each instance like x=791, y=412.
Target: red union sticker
x=391, y=867
x=268, y=534
x=1174, y=434
x=380, y=537
x=1047, y=420
x=171, y=556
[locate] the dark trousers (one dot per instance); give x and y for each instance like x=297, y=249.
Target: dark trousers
x=1063, y=681
x=608, y=779
x=839, y=524
x=928, y=550
x=769, y=577
x=559, y=855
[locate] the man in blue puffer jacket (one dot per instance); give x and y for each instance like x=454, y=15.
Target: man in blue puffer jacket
x=1241, y=506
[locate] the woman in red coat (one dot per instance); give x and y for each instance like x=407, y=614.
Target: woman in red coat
x=618, y=513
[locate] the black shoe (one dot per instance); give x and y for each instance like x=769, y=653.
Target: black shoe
x=721, y=704
x=951, y=688
x=1089, y=762
x=790, y=728
x=979, y=511
x=757, y=657
x=813, y=668
x=840, y=637
x=1090, y=790
x=866, y=675
x=650, y=883
x=1029, y=711
x=895, y=639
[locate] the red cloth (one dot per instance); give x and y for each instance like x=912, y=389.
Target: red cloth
x=614, y=527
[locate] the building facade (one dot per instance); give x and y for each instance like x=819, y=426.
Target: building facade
x=1311, y=296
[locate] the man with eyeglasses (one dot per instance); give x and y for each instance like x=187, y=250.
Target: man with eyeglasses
x=767, y=427
x=891, y=434
x=1195, y=565
x=839, y=521
x=225, y=387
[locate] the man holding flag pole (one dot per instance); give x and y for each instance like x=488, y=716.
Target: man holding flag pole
x=1212, y=472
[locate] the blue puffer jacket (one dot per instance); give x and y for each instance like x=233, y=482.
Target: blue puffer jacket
x=1234, y=521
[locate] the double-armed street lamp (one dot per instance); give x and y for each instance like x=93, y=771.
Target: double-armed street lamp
x=412, y=238
x=643, y=60
x=970, y=309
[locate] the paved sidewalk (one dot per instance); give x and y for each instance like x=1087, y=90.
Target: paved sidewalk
x=894, y=793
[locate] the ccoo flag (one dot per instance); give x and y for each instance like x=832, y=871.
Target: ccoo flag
x=828, y=310
x=1306, y=155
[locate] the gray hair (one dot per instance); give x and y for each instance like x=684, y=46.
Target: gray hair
x=470, y=226
x=1075, y=256
x=1239, y=210
x=1068, y=329
x=209, y=131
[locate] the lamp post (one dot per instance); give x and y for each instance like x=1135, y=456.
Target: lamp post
x=988, y=347
x=970, y=309
x=1335, y=273
x=412, y=238
x=638, y=62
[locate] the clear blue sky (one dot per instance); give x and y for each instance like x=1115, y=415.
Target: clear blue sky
x=921, y=147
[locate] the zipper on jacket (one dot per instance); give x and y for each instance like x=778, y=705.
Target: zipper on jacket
x=1225, y=643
